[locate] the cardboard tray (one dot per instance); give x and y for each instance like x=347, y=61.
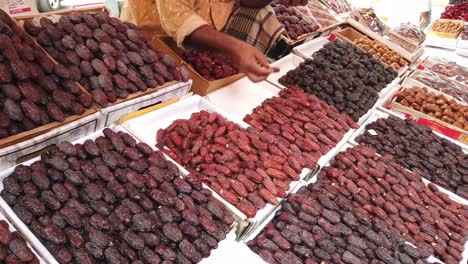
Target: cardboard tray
x=162, y=118
x=200, y=85
x=26, y=135
x=111, y=114
x=132, y=96
x=351, y=35
x=217, y=254
x=306, y=50
x=410, y=56
x=404, y=42
x=422, y=118
x=446, y=34
x=285, y=64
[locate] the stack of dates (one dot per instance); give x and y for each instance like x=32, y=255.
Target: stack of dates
x=210, y=64
x=110, y=58
x=13, y=247
x=316, y=226
x=362, y=210
x=113, y=200
x=33, y=90
x=246, y=167
x=416, y=147
x=343, y=76
x=302, y=123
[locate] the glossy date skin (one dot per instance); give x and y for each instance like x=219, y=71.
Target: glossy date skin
x=113, y=200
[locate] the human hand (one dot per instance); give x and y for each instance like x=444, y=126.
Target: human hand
x=252, y=62
x=293, y=2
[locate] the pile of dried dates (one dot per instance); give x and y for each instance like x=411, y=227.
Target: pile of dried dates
x=343, y=76
x=302, y=123
x=113, y=200
x=33, y=90
x=13, y=247
x=246, y=167
x=416, y=147
x=363, y=209
x=211, y=65
x=293, y=21
x=381, y=52
x=110, y=58
x=435, y=105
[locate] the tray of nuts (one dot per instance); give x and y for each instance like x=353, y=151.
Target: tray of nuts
x=446, y=28
x=344, y=217
x=382, y=131
x=108, y=197
x=15, y=249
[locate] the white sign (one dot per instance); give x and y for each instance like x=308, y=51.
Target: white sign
x=19, y=7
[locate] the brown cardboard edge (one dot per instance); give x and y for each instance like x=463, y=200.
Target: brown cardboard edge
x=416, y=113
x=26, y=135
x=200, y=85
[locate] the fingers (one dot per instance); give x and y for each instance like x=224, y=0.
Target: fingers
x=256, y=78
x=262, y=59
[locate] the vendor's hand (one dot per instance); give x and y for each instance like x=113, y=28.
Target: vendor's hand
x=252, y=62
x=293, y=2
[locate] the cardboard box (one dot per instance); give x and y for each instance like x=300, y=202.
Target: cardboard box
x=200, y=86
x=33, y=146
x=446, y=34
x=424, y=119
x=113, y=113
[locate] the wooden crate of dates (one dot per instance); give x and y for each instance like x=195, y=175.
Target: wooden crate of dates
x=210, y=70
x=111, y=59
x=442, y=112
x=297, y=27
x=108, y=198
x=349, y=216
x=37, y=97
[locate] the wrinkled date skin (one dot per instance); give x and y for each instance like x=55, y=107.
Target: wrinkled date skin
x=340, y=75
x=34, y=91
x=14, y=246
x=112, y=200
x=212, y=65
x=353, y=215
x=300, y=126
x=293, y=21
x=246, y=167
x=111, y=51
x=416, y=147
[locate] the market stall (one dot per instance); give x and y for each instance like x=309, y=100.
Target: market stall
x=116, y=148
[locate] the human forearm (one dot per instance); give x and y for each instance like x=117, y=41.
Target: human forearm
x=206, y=36
x=255, y=3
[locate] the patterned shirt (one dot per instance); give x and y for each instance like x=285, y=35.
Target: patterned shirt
x=177, y=18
